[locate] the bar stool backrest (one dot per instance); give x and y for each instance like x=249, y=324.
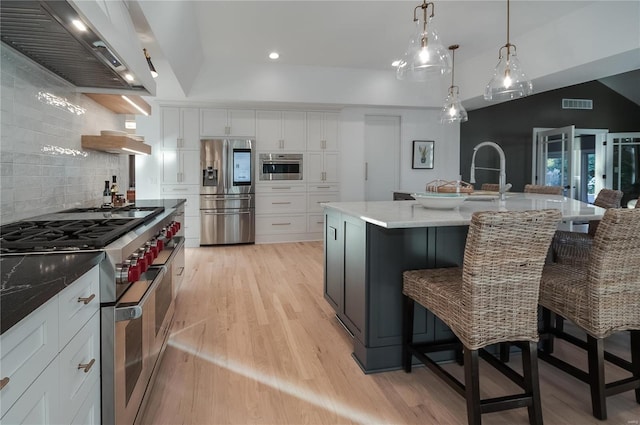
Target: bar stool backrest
x=503, y=259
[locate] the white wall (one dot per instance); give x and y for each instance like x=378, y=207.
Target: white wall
x=43, y=166
x=415, y=124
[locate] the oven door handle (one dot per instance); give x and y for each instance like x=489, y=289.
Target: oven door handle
x=131, y=312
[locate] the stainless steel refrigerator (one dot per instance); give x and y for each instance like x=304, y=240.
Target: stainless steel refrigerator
x=227, y=188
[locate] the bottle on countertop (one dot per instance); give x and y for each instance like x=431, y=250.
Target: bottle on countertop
x=114, y=190
x=106, y=194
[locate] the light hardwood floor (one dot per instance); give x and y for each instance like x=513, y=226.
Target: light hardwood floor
x=254, y=342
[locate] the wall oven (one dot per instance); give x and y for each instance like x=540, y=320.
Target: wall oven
x=280, y=166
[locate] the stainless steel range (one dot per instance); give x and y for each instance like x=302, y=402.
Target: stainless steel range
x=144, y=254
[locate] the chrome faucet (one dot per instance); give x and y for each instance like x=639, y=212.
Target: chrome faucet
x=503, y=175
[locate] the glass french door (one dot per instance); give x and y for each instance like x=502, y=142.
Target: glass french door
x=556, y=158
x=623, y=172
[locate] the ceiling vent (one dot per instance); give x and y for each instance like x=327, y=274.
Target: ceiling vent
x=577, y=104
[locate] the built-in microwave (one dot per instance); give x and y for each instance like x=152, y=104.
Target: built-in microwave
x=280, y=166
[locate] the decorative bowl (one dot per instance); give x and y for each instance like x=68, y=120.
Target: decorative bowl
x=440, y=201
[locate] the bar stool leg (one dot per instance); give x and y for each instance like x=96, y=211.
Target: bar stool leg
x=547, y=326
x=407, y=331
x=531, y=381
x=635, y=358
x=472, y=386
x=595, y=347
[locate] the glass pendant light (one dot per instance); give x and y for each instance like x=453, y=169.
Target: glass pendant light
x=453, y=111
x=425, y=55
x=509, y=81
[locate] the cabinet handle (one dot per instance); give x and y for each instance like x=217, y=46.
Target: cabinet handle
x=180, y=189
x=319, y=222
x=280, y=203
x=280, y=224
x=366, y=171
x=281, y=188
x=86, y=366
x=323, y=187
x=86, y=300
x=324, y=144
x=4, y=382
x=181, y=271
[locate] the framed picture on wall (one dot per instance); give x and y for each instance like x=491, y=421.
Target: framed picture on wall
x=422, y=154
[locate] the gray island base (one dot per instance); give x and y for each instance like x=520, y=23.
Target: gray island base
x=367, y=246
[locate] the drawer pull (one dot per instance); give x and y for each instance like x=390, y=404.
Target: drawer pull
x=280, y=224
x=280, y=203
x=86, y=366
x=4, y=382
x=181, y=271
x=86, y=300
x=281, y=188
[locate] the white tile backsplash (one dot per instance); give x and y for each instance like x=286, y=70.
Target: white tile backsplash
x=43, y=167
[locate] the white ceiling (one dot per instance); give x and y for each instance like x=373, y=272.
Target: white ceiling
x=357, y=35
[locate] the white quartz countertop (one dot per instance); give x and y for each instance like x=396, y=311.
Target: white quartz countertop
x=407, y=214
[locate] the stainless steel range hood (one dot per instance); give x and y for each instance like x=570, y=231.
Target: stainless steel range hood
x=44, y=32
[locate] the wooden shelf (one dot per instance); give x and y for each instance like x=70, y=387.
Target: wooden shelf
x=117, y=104
x=116, y=144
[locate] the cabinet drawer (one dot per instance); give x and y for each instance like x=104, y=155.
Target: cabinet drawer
x=280, y=188
x=315, y=199
x=26, y=350
x=192, y=206
x=192, y=227
x=77, y=381
x=281, y=224
x=89, y=412
x=319, y=187
x=40, y=403
x=315, y=223
x=78, y=302
x=180, y=189
x=277, y=203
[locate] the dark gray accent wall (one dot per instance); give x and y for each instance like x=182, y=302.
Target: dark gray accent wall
x=510, y=124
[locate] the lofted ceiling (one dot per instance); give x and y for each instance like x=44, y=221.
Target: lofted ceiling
x=366, y=36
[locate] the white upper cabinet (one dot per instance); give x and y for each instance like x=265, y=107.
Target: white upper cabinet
x=227, y=122
x=281, y=131
x=322, y=167
x=180, y=128
x=322, y=131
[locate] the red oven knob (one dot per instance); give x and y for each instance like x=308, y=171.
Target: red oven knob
x=153, y=249
x=167, y=232
x=133, y=273
x=160, y=244
x=176, y=226
x=148, y=255
x=141, y=261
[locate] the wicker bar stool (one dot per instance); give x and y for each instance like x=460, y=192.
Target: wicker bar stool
x=601, y=299
x=491, y=187
x=548, y=190
x=492, y=298
x=573, y=247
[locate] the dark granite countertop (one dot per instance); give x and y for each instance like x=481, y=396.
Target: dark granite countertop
x=29, y=281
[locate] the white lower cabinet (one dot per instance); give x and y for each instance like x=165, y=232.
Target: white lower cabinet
x=281, y=203
x=40, y=403
x=191, y=193
x=281, y=224
x=315, y=223
x=89, y=411
x=50, y=360
x=79, y=369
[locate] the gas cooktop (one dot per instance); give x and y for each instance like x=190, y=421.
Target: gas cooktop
x=76, y=229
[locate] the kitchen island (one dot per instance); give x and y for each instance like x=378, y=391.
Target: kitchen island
x=367, y=246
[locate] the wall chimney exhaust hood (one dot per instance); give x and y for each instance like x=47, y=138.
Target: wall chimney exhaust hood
x=68, y=38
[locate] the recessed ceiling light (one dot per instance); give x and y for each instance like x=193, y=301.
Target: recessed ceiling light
x=78, y=24
x=395, y=63
x=274, y=55
x=129, y=77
